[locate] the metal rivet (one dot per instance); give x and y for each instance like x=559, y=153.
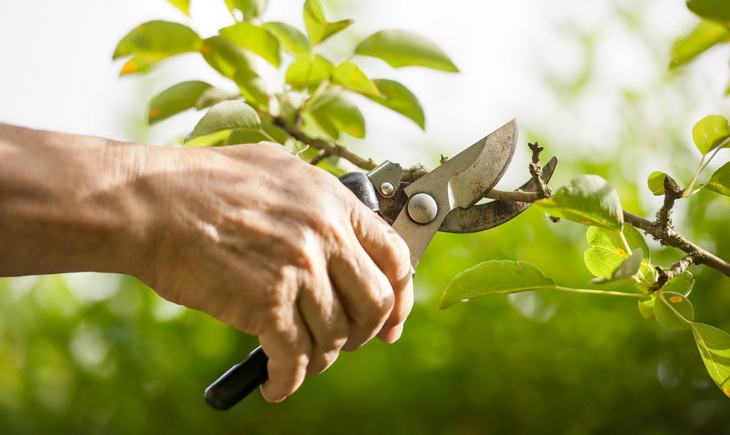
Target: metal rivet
x=387, y=189
x=422, y=208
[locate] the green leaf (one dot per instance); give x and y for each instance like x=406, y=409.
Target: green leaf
x=681, y=284
x=717, y=10
x=292, y=40
x=140, y=63
x=720, y=181
x=266, y=133
x=306, y=71
x=320, y=126
x=318, y=28
x=608, y=252
x=646, y=308
x=673, y=310
x=706, y=35
x=183, y=5
x=494, y=277
x=154, y=41
x=176, y=99
x=714, y=347
x=249, y=8
x=252, y=87
x=213, y=96
x=400, y=48
x=627, y=269
x=211, y=140
x=351, y=77
x=342, y=115
x=589, y=200
x=397, y=97
x=227, y=115
x=656, y=183
x=710, y=132
x=256, y=39
x=226, y=57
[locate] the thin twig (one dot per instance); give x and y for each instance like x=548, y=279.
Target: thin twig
x=331, y=147
x=670, y=237
x=318, y=159
x=664, y=215
x=536, y=171
x=513, y=195
x=665, y=275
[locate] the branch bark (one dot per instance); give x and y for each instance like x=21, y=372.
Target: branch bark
x=677, y=269
x=331, y=148
x=670, y=237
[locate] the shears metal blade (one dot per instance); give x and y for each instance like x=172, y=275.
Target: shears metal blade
x=457, y=184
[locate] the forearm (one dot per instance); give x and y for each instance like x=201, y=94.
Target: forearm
x=249, y=234
x=67, y=203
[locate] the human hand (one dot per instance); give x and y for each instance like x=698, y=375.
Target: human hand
x=277, y=248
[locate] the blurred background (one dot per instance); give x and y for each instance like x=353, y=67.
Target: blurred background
x=91, y=353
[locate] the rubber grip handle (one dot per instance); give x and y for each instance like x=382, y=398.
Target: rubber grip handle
x=240, y=380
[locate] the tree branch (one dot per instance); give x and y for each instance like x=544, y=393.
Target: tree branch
x=536, y=171
x=665, y=235
x=514, y=195
x=677, y=269
x=670, y=237
x=671, y=195
x=331, y=148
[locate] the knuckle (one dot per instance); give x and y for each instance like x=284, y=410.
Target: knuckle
x=374, y=311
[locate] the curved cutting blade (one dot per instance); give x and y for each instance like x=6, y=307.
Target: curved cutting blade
x=485, y=216
x=459, y=182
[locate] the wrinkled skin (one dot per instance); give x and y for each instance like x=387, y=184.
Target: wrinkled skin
x=248, y=234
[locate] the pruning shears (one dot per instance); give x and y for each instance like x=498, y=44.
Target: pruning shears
x=445, y=199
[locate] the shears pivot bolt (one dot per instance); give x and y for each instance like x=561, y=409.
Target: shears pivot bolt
x=422, y=208
x=387, y=189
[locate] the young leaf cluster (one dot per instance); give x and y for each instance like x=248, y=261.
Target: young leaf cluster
x=311, y=94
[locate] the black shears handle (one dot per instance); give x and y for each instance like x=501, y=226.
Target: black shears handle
x=240, y=380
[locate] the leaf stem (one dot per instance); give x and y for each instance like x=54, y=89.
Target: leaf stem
x=332, y=147
x=714, y=154
x=315, y=95
x=703, y=167
x=601, y=292
x=676, y=313
x=267, y=135
x=688, y=189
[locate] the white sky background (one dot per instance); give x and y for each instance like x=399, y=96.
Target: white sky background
x=56, y=70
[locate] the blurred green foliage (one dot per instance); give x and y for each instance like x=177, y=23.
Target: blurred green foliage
x=90, y=353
